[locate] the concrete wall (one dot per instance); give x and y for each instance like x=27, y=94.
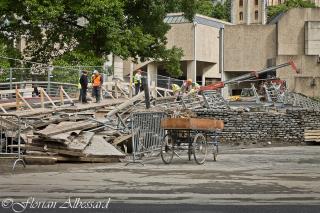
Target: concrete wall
x=307, y=66
x=291, y=30
x=182, y=35
x=207, y=45
x=247, y=47
x=312, y=38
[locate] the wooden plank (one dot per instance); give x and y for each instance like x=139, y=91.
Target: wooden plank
x=3, y=110
x=48, y=97
x=312, y=134
x=109, y=159
x=312, y=140
x=311, y=131
x=65, y=127
x=13, y=91
x=120, y=139
x=66, y=94
x=126, y=104
x=24, y=101
x=43, y=148
x=42, y=98
x=99, y=147
x=40, y=160
x=61, y=96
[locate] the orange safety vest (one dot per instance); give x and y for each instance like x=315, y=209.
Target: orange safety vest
x=96, y=80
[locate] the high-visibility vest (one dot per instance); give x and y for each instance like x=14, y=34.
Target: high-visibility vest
x=136, y=80
x=175, y=88
x=96, y=80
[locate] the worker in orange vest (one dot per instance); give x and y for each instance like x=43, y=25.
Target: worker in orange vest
x=97, y=82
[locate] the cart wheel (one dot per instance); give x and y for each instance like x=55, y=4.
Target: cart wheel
x=167, y=149
x=200, y=148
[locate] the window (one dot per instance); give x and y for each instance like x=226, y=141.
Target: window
x=241, y=16
x=256, y=2
x=256, y=15
x=240, y=3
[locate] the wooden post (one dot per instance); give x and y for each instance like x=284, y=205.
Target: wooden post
x=22, y=98
x=3, y=110
x=17, y=99
x=66, y=94
x=48, y=97
x=42, y=98
x=61, y=96
x=116, y=88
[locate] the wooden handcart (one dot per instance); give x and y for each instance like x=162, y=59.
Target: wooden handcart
x=191, y=134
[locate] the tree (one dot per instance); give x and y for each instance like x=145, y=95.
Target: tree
x=8, y=51
x=273, y=11
x=127, y=28
x=205, y=7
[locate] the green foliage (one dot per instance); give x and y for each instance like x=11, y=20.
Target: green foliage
x=7, y=50
x=172, y=62
x=67, y=67
x=205, y=7
x=127, y=28
x=221, y=11
x=273, y=11
x=218, y=10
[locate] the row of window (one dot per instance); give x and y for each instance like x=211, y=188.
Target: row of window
x=256, y=15
x=256, y=2
x=241, y=3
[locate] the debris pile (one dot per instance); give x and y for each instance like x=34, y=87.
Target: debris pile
x=69, y=141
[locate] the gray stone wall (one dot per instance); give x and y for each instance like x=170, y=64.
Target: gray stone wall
x=256, y=127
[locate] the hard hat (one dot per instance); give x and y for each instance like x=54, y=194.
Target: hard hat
x=95, y=71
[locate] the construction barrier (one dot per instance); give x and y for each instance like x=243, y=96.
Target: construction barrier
x=10, y=138
x=146, y=133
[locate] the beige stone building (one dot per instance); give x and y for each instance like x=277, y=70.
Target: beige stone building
x=201, y=45
x=248, y=11
x=276, y=2
x=294, y=35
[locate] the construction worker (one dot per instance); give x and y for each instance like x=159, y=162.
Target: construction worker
x=137, y=81
x=186, y=86
x=176, y=89
x=83, y=86
x=97, y=82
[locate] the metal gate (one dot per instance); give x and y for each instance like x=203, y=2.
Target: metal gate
x=10, y=140
x=146, y=133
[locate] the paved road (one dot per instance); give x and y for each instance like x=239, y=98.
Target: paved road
x=275, y=176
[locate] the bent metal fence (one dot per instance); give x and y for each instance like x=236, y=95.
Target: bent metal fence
x=146, y=134
x=10, y=138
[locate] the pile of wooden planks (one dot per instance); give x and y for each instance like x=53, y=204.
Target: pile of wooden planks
x=69, y=141
x=312, y=135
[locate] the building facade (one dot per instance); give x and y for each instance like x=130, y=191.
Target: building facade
x=293, y=36
x=277, y=2
x=200, y=41
x=248, y=12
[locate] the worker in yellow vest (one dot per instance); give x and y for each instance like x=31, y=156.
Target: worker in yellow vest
x=137, y=81
x=176, y=89
x=97, y=82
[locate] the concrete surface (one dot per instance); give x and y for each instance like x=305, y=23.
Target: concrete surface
x=274, y=175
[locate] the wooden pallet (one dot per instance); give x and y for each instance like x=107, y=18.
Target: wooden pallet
x=312, y=135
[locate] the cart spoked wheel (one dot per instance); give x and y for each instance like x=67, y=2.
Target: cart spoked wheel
x=200, y=148
x=167, y=149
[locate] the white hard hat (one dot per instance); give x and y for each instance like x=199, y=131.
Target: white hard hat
x=95, y=71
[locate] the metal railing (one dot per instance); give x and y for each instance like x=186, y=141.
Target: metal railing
x=146, y=133
x=10, y=138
